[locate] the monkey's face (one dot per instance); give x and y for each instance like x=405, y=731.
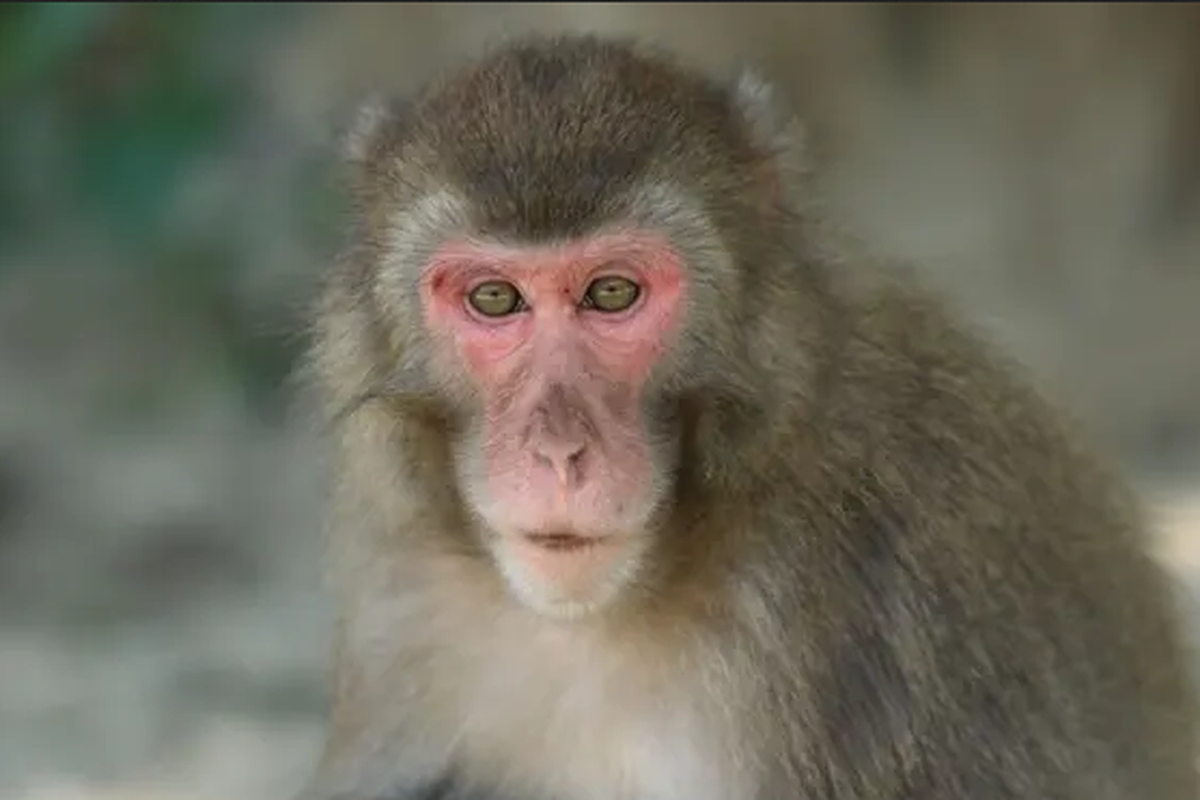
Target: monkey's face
x=561, y=252
x=559, y=462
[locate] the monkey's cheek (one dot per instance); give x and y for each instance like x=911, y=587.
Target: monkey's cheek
x=567, y=582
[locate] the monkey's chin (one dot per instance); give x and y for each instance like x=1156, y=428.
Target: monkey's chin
x=565, y=576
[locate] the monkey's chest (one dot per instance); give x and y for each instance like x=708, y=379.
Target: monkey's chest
x=593, y=731
x=581, y=751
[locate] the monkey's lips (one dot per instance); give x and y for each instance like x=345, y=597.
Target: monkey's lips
x=563, y=542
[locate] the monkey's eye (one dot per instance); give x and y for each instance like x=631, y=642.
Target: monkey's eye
x=611, y=294
x=495, y=299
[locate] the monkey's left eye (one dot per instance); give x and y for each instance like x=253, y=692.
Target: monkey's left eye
x=611, y=294
x=495, y=299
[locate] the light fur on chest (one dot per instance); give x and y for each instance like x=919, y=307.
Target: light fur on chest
x=584, y=718
x=568, y=709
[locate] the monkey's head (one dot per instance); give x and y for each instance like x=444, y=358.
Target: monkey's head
x=564, y=247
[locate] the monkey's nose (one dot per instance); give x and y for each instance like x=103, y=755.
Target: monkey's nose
x=561, y=455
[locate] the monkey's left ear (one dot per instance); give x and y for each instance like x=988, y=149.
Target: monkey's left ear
x=778, y=134
x=774, y=127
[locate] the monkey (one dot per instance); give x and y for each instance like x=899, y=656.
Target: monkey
x=649, y=483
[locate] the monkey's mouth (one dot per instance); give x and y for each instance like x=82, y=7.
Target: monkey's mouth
x=561, y=542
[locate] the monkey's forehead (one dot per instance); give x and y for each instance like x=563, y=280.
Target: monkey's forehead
x=546, y=135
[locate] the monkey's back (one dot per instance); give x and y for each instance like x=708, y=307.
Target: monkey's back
x=986, y=620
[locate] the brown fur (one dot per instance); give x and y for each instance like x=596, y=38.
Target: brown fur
x=887, y=571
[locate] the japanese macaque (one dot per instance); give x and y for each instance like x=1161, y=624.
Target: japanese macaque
x=648, y=488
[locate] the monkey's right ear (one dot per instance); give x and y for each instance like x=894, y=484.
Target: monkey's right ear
x=374, y=114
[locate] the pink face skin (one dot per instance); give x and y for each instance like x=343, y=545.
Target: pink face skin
x=564, y=452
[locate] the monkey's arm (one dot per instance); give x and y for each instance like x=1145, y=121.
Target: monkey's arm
x=929, y=692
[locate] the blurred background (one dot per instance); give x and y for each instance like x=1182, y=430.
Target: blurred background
x=167, y=195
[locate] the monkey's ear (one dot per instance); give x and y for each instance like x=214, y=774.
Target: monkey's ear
x=779, y=135
x=374, y=113
x=775, y=128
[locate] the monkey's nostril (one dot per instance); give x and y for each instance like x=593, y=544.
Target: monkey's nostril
x=563, y=457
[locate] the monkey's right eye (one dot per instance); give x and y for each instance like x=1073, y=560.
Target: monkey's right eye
x=496, y=299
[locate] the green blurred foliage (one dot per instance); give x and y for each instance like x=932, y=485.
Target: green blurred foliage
x=130, y=96
x=107, y=112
